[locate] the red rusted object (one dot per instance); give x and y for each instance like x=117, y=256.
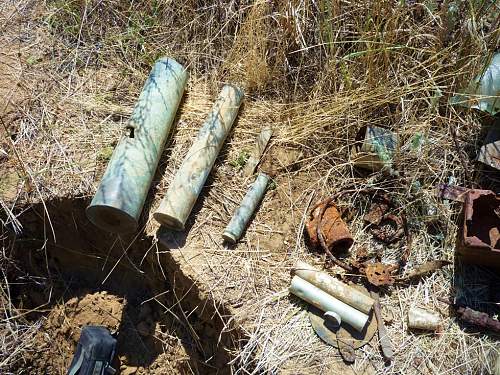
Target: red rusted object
x=479, y=241
x=334, y=230
x=380, y=274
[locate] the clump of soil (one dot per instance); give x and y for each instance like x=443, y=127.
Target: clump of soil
x=144, y=344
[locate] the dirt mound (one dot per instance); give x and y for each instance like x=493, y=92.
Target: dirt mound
x=56, y=341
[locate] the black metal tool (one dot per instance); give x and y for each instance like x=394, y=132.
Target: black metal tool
x=94, y=352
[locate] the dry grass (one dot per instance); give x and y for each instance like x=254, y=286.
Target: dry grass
x=316, y=71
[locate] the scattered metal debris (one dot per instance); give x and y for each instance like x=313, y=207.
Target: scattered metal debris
x=243, y=214
x=452, y=192
x=385, y=342
x=260, y=146
x=325, y=302
x=424, y=320
x=325, y=218
x=380, y=274
x=118, y=202
x=489, y=153
x=347, y=294
x=479, y=242
x=191, y=176
x=374, y=148
x=426, y=268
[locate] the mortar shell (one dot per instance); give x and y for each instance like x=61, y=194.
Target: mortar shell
x=334, y=287
x=190, y=178
x=243, y=214
x=119, y=199
x=423, y=320
x=326, y=302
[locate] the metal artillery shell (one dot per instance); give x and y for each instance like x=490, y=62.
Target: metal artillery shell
x=423, y=319
x=326, y=302
x=242, y=216
x=334, y=287
x=189, y=179
x=374, y=148
x=119, y=200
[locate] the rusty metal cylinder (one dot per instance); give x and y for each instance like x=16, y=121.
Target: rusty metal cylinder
x=334, y=230
x=190, y=178
x=119, y=199
x=334, y=287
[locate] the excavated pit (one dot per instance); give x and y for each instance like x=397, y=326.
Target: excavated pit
x=70, y=273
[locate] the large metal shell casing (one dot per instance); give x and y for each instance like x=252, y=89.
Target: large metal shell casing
x=189, y=179
x=242, y=216
x=327, y=303
x=334, y=287
x=118, y=202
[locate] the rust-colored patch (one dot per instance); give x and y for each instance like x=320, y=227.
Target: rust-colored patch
x=480, y=237
x=380, y=274
x=334, y=230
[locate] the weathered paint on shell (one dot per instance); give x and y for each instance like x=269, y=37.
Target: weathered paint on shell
x=326, y=302
x=243, y=214
x=334, y=287
x=190, y=178
x=118, y=202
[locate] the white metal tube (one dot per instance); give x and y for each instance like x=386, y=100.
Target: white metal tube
x=326, y=302
x=189, y=179
x=334, y=287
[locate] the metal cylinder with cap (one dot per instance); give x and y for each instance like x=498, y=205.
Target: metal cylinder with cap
x=119, y=199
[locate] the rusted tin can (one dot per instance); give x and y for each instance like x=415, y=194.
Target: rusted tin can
x=334, y=230
x=479, y=240
x=190, y=178
x=119, y=199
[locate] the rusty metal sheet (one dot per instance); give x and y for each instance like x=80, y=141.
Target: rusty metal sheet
x=346, y=334
x=479, y=240
x=333, y=228
x=380, y=274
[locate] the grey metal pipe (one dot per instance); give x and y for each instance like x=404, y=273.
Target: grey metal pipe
x=189, y=179
x=118, y=202
x=242, y=216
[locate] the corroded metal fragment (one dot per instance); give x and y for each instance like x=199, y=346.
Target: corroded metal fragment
x=260, y=146
x=119, y=200
x=374, y=148
x=189, y=179
x=334, y=287
x=380, y=274
x=334, y=230
x=326, y=302
x=479, y=242
x=489, y=153
x=244, y=213
x=423, y=320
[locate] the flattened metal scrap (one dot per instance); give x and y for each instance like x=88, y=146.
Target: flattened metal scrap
x=380, y=274
x=260, y=145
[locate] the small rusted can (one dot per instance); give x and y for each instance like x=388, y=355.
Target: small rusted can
x=334, y=230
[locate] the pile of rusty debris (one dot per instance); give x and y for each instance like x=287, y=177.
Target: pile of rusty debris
x=348, y=315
